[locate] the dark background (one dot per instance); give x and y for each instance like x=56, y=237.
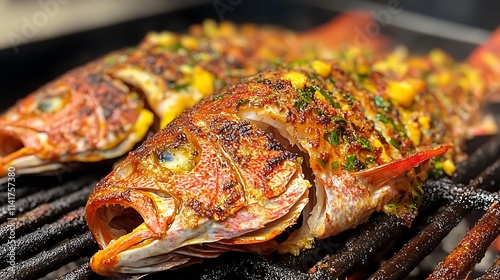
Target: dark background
x=39, y=62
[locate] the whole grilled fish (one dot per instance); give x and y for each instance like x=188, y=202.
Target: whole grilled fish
x=101, y=110
x=333, y=141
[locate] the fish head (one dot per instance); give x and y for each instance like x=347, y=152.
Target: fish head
x=185, y=195
x=81, y=117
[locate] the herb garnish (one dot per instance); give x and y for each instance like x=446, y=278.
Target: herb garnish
x=332, y=136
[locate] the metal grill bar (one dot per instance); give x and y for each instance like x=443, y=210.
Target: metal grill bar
x=493, y=272
x=31, y=201
x=84, y=272
x=371, y=240
x=48, y=235
x=46, y=261
x=45, y=213
x=478, y=161
x=421, y=245
x=464, y=200
x=472, y=247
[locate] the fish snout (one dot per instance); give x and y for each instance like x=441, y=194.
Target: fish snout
x=116, y=212
x=18, y=149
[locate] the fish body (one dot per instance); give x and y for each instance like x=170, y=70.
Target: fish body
x=331, y=141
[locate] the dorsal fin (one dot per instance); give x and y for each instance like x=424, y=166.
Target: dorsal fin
x=381, y=174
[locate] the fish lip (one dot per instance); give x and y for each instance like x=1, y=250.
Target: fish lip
x=107, y=205
x=16, y=149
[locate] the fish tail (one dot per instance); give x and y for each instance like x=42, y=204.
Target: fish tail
x=486, y=59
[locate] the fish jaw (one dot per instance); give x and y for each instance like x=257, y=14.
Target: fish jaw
x=150, y=247
x=18, y=147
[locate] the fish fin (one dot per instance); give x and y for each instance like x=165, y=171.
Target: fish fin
x=379, y=175
x=487, y=125
x=348, y=30
x=486, y=59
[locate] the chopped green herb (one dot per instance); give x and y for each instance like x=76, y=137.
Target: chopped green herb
x=364, y=144
x=335, y=164
x=362, y=77
x=438, y=165
x=177, y=45
x=306, y=95
x=327, y=96
x=322, y=162
x=392, y=205
x=382, y=103
x=320, y=112
x=351, y=161
x=383, y=118
x=300, y=104
x=369, y=160
x=348, y=97
x=178, y=87
x=332, y=136
x=300, y=160
x=241, y=102
x=298, y=62
x=218, y=97
x=394, y=143
x=340, y=120
x=412, y=206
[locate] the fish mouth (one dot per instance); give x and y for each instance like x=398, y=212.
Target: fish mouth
x=17, y=157
x=124, y=220
x=141, y=231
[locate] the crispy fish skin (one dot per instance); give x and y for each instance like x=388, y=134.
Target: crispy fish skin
x=236, y=170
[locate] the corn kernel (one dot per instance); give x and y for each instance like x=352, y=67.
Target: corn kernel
x=210, y=28
x=425, y=122
x=377, y=144
x=319, y=96
x=161, y=38
x=449, y=167
x=203, y=81
x=189, y=42
x=414, y=133
x=323, y=69
x=443, y=78
x=402, y=93
x=297, y=79
x=438, y=57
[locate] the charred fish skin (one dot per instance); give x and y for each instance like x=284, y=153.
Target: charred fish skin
x=366, y=137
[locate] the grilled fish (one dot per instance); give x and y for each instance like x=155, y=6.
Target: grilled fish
x=101, y=110
x=333, y=141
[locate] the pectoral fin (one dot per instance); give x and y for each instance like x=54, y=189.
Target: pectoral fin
x=379, y=175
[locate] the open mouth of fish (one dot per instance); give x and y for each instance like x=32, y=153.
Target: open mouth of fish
x=15, y=154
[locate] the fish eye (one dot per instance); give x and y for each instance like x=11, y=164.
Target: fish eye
x=51, y=104
x=180, y=159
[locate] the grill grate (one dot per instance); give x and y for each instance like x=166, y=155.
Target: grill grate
x=383, y=248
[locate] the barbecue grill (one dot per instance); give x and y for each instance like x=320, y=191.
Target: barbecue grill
x=51, y=239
